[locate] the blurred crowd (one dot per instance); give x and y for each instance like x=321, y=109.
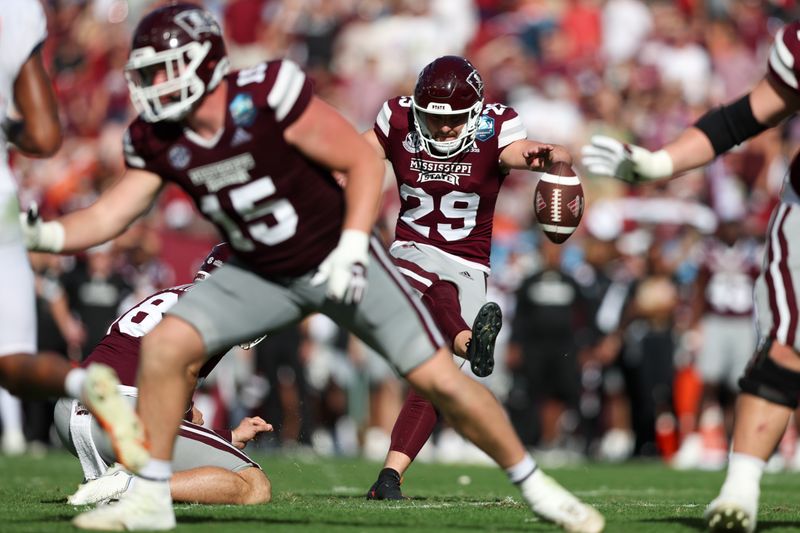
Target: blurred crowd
x=625, y=341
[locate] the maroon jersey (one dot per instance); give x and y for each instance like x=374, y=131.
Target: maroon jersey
x=730, y=272
x=119, y=349
x=280, y=211
x=448, y=203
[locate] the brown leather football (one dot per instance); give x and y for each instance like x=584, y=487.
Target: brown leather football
x=558, y=202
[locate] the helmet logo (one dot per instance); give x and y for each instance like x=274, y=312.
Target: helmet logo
x=475, y=81
x=196, y=22
x=433, y=106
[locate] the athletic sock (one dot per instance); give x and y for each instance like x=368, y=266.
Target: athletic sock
x=73, y=383
x=414, y=425
x=156, y=470
x=744, y=474
x=523, y=470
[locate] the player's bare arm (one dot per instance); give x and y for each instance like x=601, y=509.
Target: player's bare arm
x=372, y=140
x=526, y=154
x=122, y=203
x=323, y=135
x=39, y=132
x=716, y=132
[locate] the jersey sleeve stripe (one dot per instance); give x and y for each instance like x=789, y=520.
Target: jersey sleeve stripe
x=781, y=61
x=511, y=130
x=383, y=118
x=286, y=89
x=129, y=151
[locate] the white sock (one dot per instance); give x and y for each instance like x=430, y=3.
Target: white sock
x=156, y=470
x=522, y=470
x=744, y=474
x=73, y=384
x=10, y=412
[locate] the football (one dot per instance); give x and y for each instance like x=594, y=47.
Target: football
x=558, y=202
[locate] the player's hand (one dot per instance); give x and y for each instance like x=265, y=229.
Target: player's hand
x=538, y=156
x=606, y=156
x=248, y=429
x=38, y=235
x=345, y=269
x=197, y=416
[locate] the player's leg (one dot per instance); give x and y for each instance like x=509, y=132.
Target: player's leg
x=771, y=384
x=455, y=294
x=22, y=373
x=394, y=323
x=230, y=307
x=214, y=485
x=210, y=469
x=450, y=291
x=412, y=429
x=475, y=413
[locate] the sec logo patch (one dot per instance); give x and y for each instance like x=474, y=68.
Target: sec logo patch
x=412, y=143
x=179, y=157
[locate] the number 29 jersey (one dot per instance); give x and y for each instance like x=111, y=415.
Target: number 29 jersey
x=281, y=212
x=448, y=203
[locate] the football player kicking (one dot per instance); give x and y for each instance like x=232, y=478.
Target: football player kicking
x=255, y=149
x=209, y=465
x=24, y=85
x=450, y=152
x=771, y=383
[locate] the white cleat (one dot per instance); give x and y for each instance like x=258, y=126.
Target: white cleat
x=146, y=506
x=116, y=416
x=109, y=486
x=553, y=502
x=730, y=516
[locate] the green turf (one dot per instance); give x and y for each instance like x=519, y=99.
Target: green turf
x=327, y=496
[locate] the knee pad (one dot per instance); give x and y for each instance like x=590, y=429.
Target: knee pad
x=770, y=381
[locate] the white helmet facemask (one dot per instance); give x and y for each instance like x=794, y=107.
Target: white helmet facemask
x=172, y=98
x=449, y=148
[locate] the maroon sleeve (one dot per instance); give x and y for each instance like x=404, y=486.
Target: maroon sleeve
x=226, y=434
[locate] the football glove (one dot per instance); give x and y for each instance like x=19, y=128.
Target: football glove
x=38, y=235
x=345, y=268
x=606, y=156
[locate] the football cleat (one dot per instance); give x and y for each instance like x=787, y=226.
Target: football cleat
x=730, y=516
x=387, y=487
x=116, y=416
x=109, y=486
x=553, y=502
x=480, y=350
x=146, y=506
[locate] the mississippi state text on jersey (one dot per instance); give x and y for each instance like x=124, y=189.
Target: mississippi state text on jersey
x=448, y=203
x=280, y=211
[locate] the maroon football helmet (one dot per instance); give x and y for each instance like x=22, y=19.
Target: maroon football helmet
x=218, y=256
x=449, y=85
x=177, y=56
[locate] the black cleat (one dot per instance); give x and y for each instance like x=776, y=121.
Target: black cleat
x=387, y=487
x=480, y=350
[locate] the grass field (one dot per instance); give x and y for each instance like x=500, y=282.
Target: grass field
x=327, y=495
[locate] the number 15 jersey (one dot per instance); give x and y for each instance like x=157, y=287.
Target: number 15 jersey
x=281, y=211
x=448, y=203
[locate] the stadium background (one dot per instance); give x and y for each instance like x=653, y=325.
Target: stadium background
x=637, y=70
